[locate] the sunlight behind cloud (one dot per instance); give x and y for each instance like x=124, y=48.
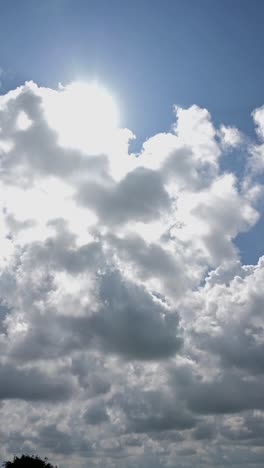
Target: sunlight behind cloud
x=85, y=116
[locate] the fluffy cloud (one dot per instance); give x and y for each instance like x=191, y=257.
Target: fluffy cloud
x=230, y=137
x=130, y=331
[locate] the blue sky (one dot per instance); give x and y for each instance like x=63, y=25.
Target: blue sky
x=131, y=270
x=151, y=53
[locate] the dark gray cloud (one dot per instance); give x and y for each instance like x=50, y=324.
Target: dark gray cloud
x=153, y=411
x=132, y=323
x=92, y=374
x=226, y=393
x=96, y=414
x=240, y=347
x=229, y=395
x=126, y=320
x=56, y=440
x=32, y=384
x=140, y=196
x=206, y=430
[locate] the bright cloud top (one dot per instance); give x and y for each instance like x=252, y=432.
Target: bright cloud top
x=122, y=296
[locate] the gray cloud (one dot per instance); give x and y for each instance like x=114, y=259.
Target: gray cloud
x=56, y=440
x=31, y=384
x=229, y=394
x=132, y=323
x=140, y=196
x=152, y=260
x=96, y=414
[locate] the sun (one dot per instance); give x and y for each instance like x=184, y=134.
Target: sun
x=84, y=115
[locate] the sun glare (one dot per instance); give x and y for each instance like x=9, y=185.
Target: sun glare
x=85, y=116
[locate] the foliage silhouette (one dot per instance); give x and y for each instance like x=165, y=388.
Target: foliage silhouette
x=26, y=461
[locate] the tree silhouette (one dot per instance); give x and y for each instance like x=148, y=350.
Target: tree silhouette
x=26, y=461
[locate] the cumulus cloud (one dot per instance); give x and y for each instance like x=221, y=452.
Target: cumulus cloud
x=230, y=137
x=130, y=330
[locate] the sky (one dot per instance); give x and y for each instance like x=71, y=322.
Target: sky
x=131, y=240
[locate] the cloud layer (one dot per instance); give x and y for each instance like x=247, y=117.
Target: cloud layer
x=130, y=332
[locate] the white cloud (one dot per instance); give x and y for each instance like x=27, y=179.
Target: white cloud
x=258, y=117
x=230, y=137
x=121, y=287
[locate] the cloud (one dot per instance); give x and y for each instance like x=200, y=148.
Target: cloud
x=31, y=384
x=140, y=196
x=258, y=115
x=155, y=411
x=130, y=330
x=96, y=414
x=132, y=323
x=230, y=137
x=228, y=394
